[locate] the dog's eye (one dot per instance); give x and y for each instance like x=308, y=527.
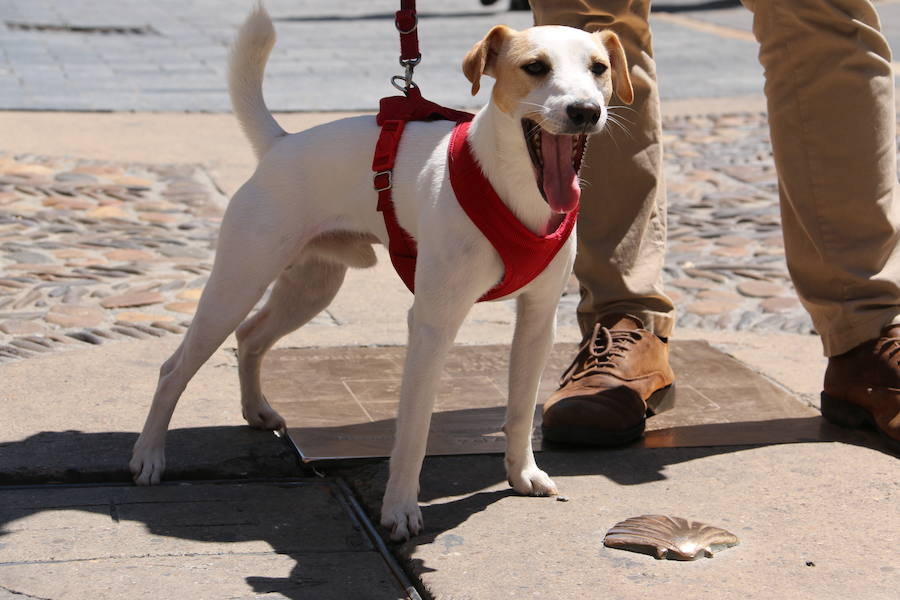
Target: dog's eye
x=598, y=68
x=536, y=68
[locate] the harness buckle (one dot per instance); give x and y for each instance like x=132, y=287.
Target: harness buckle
x=386, y=186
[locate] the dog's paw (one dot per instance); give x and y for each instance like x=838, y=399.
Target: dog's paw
x=147, y=464
x=262, y=416
x=531, y=481
x=403, y=519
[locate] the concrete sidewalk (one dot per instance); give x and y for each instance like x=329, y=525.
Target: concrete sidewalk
x=816, y=520
x=168, y=55
x=191, y=540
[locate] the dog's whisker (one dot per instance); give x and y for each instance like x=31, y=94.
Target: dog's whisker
x=608, y=132
x=620, y=118
x=612, y=135
x=537, y=126
x=615, y=121
x=623, y=107
x=625, y=131
x=543, y=107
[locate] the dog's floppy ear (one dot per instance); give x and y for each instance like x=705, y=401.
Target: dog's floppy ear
x=480, y=59
x=619, y=65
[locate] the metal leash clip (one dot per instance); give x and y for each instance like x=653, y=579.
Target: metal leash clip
x=406, y=78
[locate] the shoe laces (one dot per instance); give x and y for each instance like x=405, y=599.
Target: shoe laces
x=600, y=352
x=888, y=347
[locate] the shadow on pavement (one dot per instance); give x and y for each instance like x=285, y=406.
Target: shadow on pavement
x=191, y=453
x=300, y=538
x=291, y=520
x=463, y=479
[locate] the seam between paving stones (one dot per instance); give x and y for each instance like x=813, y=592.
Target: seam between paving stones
x=23, y=594
x=317, y=552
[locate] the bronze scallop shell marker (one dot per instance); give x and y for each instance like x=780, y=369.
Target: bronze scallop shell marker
x=669, y=537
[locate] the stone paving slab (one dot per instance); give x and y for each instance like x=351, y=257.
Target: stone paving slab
x=171, y=56
x=341, y=403
x=167, y=55
x=328, y=56
x=815, y=522
x=74, y=416
x=285, y=539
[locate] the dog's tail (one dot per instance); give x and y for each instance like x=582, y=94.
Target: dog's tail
x=245, y=77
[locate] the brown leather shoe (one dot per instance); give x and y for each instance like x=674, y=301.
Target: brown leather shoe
x=620, y=375
x=862, y=387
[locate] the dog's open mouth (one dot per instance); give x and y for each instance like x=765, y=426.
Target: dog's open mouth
x=556, y=160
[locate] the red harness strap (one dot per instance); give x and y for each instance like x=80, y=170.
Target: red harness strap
x=393, y=114
x=524, y=254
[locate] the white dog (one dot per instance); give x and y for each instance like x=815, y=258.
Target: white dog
x=309, y=212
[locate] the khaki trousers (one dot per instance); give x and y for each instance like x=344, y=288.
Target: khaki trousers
x=830, y=92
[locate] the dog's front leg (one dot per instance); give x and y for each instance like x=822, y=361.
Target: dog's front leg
x=433, y=322
x=532, y=341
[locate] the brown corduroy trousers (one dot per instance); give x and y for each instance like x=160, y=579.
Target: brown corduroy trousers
x=830, y=92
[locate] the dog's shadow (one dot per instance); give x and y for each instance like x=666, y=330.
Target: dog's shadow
x=455, y=488
x=92, y=469
x=201, y=453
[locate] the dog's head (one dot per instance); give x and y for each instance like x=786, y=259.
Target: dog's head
x=558, y=82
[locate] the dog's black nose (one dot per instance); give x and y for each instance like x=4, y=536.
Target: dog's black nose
x=584, y=113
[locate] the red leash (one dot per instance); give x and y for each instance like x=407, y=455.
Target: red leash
x=407, y=23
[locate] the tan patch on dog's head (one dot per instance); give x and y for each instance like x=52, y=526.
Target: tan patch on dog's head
x=500, y=55
x=504, y=53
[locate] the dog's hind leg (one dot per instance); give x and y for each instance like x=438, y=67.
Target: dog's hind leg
x=532, y=341
x=301, y=292
x=256, y=242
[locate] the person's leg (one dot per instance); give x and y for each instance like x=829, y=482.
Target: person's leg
x=621, y=369
x=622, y=219
x=830, y=90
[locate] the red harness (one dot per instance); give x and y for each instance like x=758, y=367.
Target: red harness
x=524, y=254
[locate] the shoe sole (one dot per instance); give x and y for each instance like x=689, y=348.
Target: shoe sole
x=659, y=401
x=847, y=414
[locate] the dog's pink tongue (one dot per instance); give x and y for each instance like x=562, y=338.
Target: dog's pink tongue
x=560, y=179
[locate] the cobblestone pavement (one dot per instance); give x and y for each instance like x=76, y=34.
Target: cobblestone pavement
x=725, y=266
x=94, y=251
x=91, y=251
